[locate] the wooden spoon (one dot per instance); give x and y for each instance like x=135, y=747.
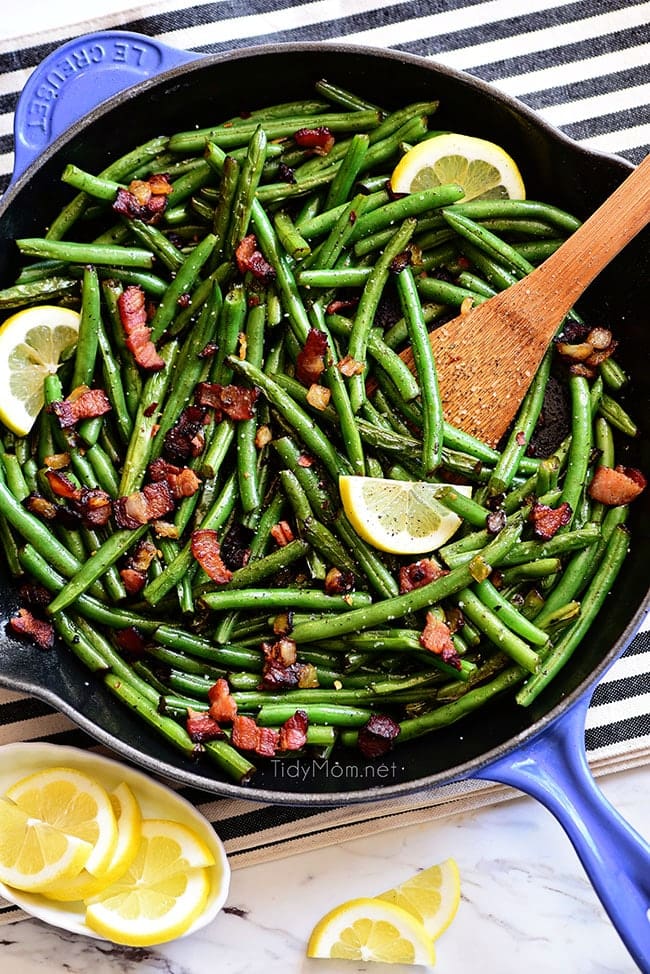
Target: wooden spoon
x=487, y=358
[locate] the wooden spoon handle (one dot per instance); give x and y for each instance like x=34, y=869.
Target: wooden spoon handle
x=565, y=275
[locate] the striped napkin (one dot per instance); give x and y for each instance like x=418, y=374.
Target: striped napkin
x=585, y=66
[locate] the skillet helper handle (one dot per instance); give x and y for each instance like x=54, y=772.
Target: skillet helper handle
x=553, y=768
x=76, y=78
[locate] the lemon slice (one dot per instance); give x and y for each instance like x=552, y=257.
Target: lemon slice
x=371, y=930
x=129, y=819
x=32, y=853
x=74, y=803
x=161, y=894
x=432, y=896
x=400, y=516
x=483, y=169
x=31, y=343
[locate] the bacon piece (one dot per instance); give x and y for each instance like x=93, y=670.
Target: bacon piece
x=94, y=506
x=131, y=642
x=250, y=258
x=339, y=581
x=310, y=361
x=144, y=200
x=134, y=581
x=293, y=733
x=496, y=521
x=617, y=485
x=235, y=546
x=281, y=669
x=186, y=438
x=349, y=366
x=133, y=315
x=247, y=736
x=547, y=521
x=201, y=727
x=38, y=630
x=223, y=706
x=282, y=533
x=207, y=551
x=377, y=735
x=419, y=573
x=341, y=304
x=41, y=507
x=134, y=573
x=143, y=506
x=57, y=461
x=60, y=485
x=318, y=397
x=87, y=404
x=182, y=481
x=436, y=637
x=237, y=402
x=320, y=139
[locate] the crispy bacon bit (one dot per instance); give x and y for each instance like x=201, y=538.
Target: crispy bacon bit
x=400, y=261
x=304, y=460
x=586, y=350
x=88, y=404
x=521, y=438
x=281, y=670
x=283, y=623
x=247, y=736
x=94, y=506
x=250, y=258
x=165, y=529
x=41, y=507
x=320, y=140
x=133, y=315
x=182, y=481
x=349, y=366
x=60, y=485
x=286, y=173
x=263, y=436
x=293, y=733
x=235, y=547
x=134, y=573
x=479, y=569
x=310, y=361
x=547, y=521
x=283, y=651
x=436, y=637
x=318, y=397
x=186, y=438
x=209, y=350
x=339, y=581
x=466, y=305
x=282, y=533
x=133, y=580
x=308, y=678
x=144, y=200
x=237, y=402
x=150, y=409
x=496, y=521
x=207, y=551
x=617, y=485
x=38, y=630
x=143, y=506
x=201, y=727
x=57, y=461
x=377, y=735
x=341, y=304
x=223, y=706
x=419, y=573
x=131, y=642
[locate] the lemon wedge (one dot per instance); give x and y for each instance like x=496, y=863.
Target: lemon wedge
x=161, y=894
x=129, y=819
x=400, y=516
x=483, y=169
x=33, y=853
x=369, y=929
x=74, y=803
x=431, y=896
x=31, y=344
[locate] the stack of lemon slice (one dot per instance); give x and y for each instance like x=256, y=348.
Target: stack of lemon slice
x=62, y=835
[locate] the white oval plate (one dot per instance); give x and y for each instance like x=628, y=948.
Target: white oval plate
x=156, y=801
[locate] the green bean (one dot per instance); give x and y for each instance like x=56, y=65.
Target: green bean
x=343, y=97
x=247, y=187
x=592, y=602
x=322, y=223
x=613, y=374
x=539, y=568
x=112, y=377
x=405, y=207
x=84, y=362
x=255, y=571
x=518, y=209
x=81, y=253
x=295, y=245
x=462, y=505
x=15, y=479
x=426, y=371
x=348, y=171
x=614, y=413
x=487, y=241
x=274, y=714
x=508, y=614
x=492, y=625
x=156, y=241
x=182, y=284
x=35, y=292
x=283, y=598
x=436, y=290
x=249, y=483
x=580, y=447
x=308, y=477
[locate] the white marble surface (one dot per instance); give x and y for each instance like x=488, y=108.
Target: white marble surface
x=526, y=904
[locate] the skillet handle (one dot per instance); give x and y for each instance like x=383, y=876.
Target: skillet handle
x=77, y=77
x=553, y=768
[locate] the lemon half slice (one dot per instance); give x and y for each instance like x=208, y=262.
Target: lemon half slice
x=483, y=169
x=369, y=929
x=400, y=516
x=432, y=896
x=31, y=343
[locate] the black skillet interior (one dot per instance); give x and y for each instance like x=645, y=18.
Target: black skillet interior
x=554, y=170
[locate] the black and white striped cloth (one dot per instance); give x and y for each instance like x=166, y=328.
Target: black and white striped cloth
x=585, y=66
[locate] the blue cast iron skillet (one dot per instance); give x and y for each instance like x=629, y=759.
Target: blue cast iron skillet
x=129, y=88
